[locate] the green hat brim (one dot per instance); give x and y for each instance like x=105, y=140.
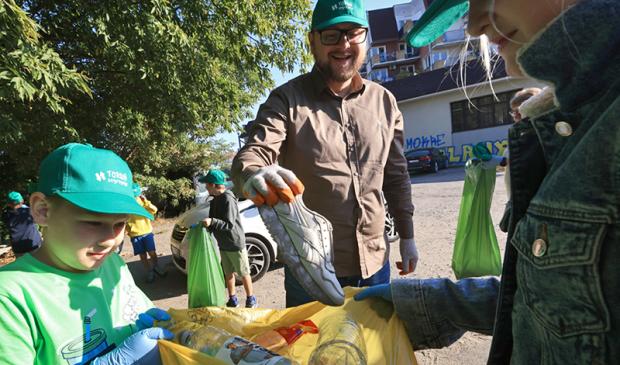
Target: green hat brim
x=339, y=20
x=436, y=20
x=106, y=203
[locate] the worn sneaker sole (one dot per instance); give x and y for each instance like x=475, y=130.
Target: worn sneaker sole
x=304, y=241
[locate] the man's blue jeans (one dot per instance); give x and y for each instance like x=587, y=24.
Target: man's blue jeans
x=296, y=295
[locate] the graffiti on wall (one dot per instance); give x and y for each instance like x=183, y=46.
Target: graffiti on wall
x=432, y=140
x=456, y=154
x=460, y=154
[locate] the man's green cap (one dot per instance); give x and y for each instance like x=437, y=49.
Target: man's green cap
x=436, y=20
x=217, y=177
x=15, y=197
x=331, y=12
x=90, y=178
x=137, y=189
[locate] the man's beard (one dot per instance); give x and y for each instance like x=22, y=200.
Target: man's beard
x=331, y=74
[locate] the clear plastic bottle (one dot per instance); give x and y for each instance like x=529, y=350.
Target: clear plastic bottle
x=231, y=349
x=341, y=342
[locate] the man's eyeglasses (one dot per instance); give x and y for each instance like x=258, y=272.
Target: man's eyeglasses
x=330, y=37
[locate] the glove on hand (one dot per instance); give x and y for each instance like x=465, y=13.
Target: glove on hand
x=139, y=348
x=148, y=318
x=271, y=184
x=383, y=291
x=409, y=255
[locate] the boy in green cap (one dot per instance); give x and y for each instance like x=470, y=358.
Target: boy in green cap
x=225, y=223
x=74, y=300
x=23, y=233
x=140, y=232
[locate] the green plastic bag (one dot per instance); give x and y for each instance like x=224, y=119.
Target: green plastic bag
x=476, y=252
x=205, y=279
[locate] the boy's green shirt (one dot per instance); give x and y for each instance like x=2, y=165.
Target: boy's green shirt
x=43, y=311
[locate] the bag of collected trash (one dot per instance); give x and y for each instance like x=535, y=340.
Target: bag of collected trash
x=476, y=252
x=383, y=333
x=205, y=279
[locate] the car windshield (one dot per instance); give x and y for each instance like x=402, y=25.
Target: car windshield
x=417, y=153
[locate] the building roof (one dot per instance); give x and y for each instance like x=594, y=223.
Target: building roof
x=442, y=79
x=382, y=24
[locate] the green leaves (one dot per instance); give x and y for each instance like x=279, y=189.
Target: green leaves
x=153, y=80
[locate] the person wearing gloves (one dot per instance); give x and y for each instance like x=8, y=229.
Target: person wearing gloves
x=74, y=300
x=558, y=301
x=224, y=222
x=338, y=138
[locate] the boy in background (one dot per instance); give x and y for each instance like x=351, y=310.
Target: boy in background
x=225, y=223
x=140, y=233
x=74, y=300
x=23, y=233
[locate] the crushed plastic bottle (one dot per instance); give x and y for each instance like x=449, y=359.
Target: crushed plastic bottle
x=231, y=349
x=340, y=343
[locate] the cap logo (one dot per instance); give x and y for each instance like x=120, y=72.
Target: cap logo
x=112, y=177
x=342, y=5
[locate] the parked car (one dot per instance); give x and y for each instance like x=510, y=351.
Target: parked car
x=262, y=249
x=426, y=159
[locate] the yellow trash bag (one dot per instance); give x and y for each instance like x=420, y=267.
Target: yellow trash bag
x=384, y=333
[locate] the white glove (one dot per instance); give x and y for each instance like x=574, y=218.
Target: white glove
x=271, y=184
x=409, y=255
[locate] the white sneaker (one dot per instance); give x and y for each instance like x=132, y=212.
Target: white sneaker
x=305, y=245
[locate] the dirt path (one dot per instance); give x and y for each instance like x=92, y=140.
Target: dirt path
x=436, y=197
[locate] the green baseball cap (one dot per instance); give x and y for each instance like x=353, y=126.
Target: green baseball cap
x=217, y=177
x=436, y=20
x=330, y=12
x=90, y=178
x=15, y=197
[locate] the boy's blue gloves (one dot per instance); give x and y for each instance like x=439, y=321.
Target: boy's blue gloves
x=148, y=318
x=383, y=291
x=139, y=348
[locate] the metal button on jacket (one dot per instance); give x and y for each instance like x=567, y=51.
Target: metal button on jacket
x=564, y=129
x=539, y=247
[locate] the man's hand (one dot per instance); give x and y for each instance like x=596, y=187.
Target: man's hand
x=272, y=184
x=409, y=256
x=148, y=318
x=383, y=291
x=139, y=348
x=206, y=222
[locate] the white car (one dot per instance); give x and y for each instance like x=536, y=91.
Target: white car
x=262, y=249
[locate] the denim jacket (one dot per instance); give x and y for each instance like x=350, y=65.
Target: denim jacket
x=559, y=296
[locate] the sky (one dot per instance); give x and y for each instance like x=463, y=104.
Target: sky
x=280, y=78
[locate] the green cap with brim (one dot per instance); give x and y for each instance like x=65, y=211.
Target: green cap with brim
x=15, y=197
x=137, y=189
x=94, y=179
x=331, y=12
x=214, y=176
x=436, y=20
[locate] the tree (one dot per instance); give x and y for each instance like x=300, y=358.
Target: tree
x=164, y=76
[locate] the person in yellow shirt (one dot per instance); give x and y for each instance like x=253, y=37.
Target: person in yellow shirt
x=141, y=236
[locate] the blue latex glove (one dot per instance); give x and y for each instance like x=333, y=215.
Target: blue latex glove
x=383, y=291
x=139, y=348
x=148, y=318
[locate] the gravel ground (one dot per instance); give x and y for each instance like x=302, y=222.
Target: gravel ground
x=436, y=197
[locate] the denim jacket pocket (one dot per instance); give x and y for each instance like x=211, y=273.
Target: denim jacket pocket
x=557, y=271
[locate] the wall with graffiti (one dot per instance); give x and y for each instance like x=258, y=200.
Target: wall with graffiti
x=428, y=122
x=459, y=146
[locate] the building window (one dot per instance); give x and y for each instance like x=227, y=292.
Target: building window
x=409, y=68
x=482, y=112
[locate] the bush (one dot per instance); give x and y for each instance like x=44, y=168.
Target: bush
x=171, y=197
